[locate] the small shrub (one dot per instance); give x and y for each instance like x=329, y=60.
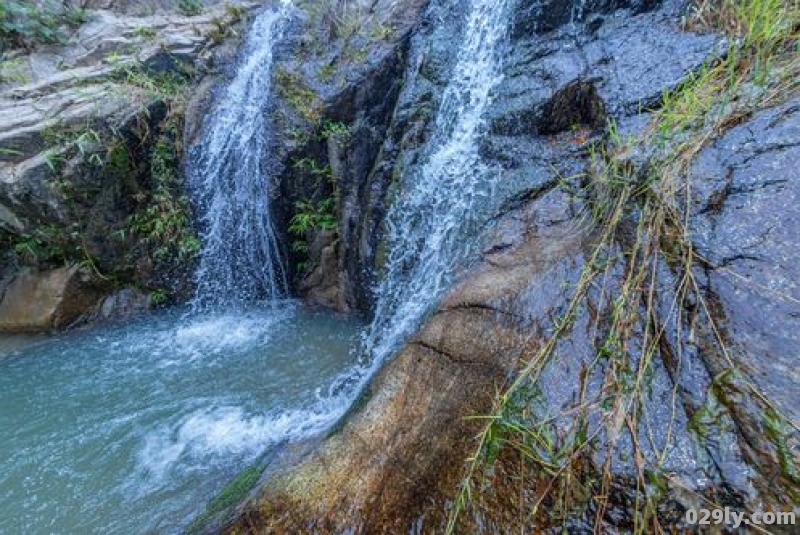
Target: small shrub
x=313, y=216
x=298, y=95
x=335, y=130
x=25, y=23
x=159, y=296
x=48, y=244
x=190, y=8
x=220, y=29
x=310, y=217
x=235, y=12
x=144, y=32
x=163, y=222
x=13, y=70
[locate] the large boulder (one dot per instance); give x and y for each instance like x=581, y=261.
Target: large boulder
x=48, y=301
x=397, y=463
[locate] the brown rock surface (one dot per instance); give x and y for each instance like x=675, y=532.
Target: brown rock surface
x=47, y=301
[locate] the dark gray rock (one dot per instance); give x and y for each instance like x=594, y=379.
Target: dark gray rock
x=121, y=305
x=745, y=221
x=352, y=81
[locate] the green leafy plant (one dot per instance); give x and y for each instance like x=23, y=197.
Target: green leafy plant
x=26, y=23
x=13, y=70
x=48, y=244
x=163, y=221
x=144, y=32
x=336, y=130
x=313, y=216
x=298, y=95
x=308, y=218
x=235, y=12
x=170, y=87
x=220, y=30
x=190, y=8
x=313, y=168
x=159, y=296
x=67, y=143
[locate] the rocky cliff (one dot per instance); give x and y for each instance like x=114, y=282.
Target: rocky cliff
x=93, y=98
x=627, y=327
x=625, y=334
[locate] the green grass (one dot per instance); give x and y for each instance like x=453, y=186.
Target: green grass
x=13, y=71
x=144, y=32
x=299, y=96
x=190, y=8
x=761, y=62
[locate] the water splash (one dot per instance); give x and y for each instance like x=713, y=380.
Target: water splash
x=133, y=427
x=230, y=180
x=430, y=225
x=208, y=435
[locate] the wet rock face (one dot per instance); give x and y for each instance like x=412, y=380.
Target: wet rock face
x=542, y=16
x=406, y=444
x=80, y=130
x=745, y=222
x=124, y=304
x=559, y=85
x=336, y=89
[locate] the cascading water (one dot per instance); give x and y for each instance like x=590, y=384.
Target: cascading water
x=132, y=428
x=441, y=203
x=230, y=180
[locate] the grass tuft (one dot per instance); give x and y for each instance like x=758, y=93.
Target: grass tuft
x=760, y=69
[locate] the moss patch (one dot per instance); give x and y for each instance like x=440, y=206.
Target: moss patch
x=230, y=496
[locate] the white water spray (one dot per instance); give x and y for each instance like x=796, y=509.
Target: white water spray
x=430, y=225
x=230, y=177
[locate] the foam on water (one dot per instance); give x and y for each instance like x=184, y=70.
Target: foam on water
x=227, y=431
x=109, y=431
x=213, y=334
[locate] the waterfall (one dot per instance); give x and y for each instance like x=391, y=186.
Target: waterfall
x=230, y=180
x=441, y=203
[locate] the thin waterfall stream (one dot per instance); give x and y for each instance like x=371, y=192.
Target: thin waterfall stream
x=230, y=181
x=442, y=202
